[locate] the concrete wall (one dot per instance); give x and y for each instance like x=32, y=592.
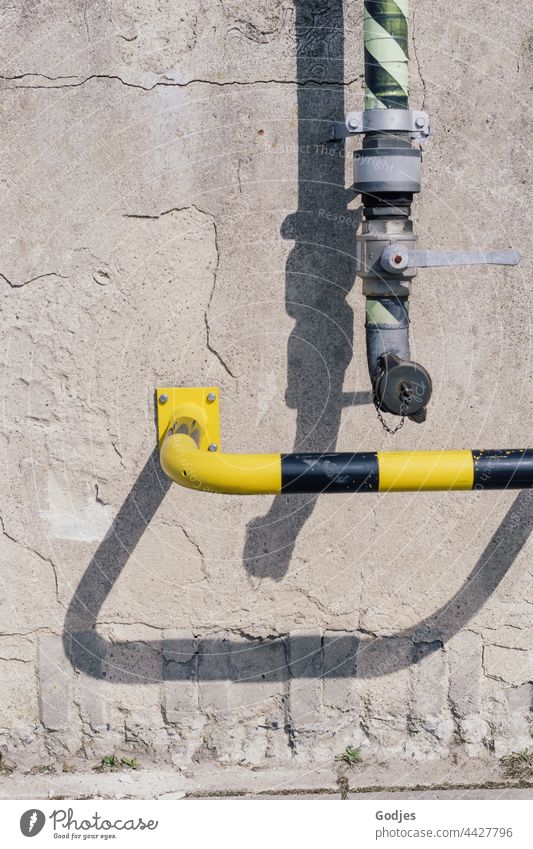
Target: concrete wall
x=170, y=215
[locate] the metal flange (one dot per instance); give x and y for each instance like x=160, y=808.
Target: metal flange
x=410, y=121
x=192, y=411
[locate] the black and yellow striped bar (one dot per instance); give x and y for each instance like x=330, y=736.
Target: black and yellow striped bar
x=407, y=471
x=329, y=472
x=205, y=470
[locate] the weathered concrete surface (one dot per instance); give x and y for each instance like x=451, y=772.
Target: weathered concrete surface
x=447, y=779
x=171, y=215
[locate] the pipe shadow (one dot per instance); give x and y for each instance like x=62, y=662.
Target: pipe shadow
x=320, y=272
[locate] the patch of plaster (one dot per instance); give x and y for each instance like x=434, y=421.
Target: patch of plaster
x=70, y=519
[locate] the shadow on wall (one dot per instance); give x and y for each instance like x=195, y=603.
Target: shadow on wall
x=320, y=273
x=339, y=655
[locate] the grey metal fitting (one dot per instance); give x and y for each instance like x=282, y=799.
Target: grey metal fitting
x=410, y=121
x=379, y=170
x=394, y=258
x=376, y=236
x=397, y=257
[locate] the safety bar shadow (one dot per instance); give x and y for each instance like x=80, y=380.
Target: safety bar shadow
x=249, y=660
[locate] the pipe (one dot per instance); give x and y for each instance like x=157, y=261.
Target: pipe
x=401, y=387
x=381, y=471
x=387, y=175
x=208, y=471
x=387, y=330
x=386, y=54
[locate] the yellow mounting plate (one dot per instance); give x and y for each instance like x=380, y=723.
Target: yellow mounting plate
x=195, y=404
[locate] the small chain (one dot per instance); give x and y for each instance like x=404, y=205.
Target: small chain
x=391, y=430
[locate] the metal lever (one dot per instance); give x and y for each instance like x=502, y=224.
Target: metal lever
x=396, y=258
x=436, y=259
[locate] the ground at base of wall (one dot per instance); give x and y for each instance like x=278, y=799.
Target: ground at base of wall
x=470, y=780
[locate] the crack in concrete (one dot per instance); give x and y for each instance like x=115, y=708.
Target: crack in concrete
x=483, y=664
x=156, y=215
x=417, y=60
x=453, y=708
x=210, y=346
x=32, y=279
x=239, y=181
x=119, y=455
x=98, y=497
x=212, y=349
x=193, y=542
x=129, y=624
x=16, y=659
x=44, y=629
x=38, y=554
x=77, y=82
x=153, y=217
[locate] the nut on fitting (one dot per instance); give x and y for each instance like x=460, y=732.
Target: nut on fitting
x=394, y=258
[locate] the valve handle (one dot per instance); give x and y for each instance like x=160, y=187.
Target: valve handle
x=438, y=259
x=395, y=258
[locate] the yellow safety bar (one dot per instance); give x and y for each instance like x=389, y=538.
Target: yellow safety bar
x=189, y=440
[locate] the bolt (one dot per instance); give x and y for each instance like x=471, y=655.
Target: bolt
x=420, y=122
x=211, y=397
x=163, y=399
x=353, y=123
x=213, y=447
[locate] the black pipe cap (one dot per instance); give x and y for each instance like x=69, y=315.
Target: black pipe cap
x=402, y=387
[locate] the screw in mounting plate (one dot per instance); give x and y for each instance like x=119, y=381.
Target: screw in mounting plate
x=420, y=122
x=163, y=399
x=353, y=123
x=213, y=447
x=211, y=397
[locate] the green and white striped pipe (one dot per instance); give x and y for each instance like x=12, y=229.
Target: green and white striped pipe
x=386, y=54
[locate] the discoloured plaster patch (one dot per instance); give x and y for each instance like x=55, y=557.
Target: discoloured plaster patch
x=68, y=517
